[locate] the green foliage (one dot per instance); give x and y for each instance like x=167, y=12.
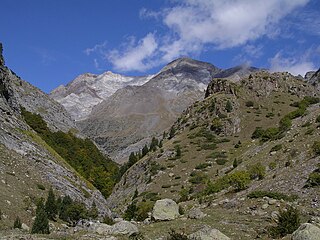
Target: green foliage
x=153, y=145
x=257, y=171
x=318, y=119
x=197, y=177
x=221, y=161
x=17, y=223
x=203, y=165
x=178, y=151
x=274, y=195
x=145, y=150
x=239, y=180
x=173, y=235
x=314, y=178
x=143, y=208
x=216, y=126
x=276, y=148
x=93, y=213
x=249, y=104
x=172, y=132
x=229, y=107
x=108, y=220
x=41, y=187
x=288, y=222
x=51, y=206
x=75, y=212
x=130, y=212
x=235, y=163
x=41, y=222
x=285, y=123
x=316, y=147
x=81, y=154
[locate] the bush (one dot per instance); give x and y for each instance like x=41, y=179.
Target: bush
x=257, y=171
x=316, y=147
x=203, y=165
x=17, y=223
x=221, y=161
x=249, y=104
x=274, y=195
x=108, y=220
x=318, y=119
x=288, y=222
x=173, y=235
x=276, y=148
x=197, y=177
x=143, y=208
x=239, y=180
x=314, y=179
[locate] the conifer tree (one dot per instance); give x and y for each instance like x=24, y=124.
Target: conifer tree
x=51, y=205
x=145, y=150
x=229, y=106
x=41, y=223
x=17, y=223
x=172, y=132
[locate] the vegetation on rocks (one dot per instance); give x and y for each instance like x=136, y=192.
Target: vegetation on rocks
x=81, y=154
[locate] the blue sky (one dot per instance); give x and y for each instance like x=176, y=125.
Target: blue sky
x=50, y=42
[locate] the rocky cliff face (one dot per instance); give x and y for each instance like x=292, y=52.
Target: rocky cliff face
x=88, y=90
x=26, y=161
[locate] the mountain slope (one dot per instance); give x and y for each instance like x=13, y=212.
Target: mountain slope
x=135, y=113
x=88, y=90
x=254, y=135
x=28, y=165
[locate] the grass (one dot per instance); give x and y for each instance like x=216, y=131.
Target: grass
x=274, y=195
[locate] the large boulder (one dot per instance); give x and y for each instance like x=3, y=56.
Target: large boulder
x=196, y=213
x=208, y=233
x=165, y=209
x=306, y=231
x=124, y=228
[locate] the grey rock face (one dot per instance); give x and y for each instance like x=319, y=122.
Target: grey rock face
x=88, y=90
x=165, y=209
x=306, y=231
x=24, y=147
x=208, y=233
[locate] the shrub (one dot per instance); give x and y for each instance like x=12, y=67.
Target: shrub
x=17, y=223
x=288, y=222
x=229, y=106
x=221, y=161
x=257, y=171
x=108, y=220
x=314, y=179
x=276, y=148
x=274, y=195
x=249, y=104
x=143, y=208
x=41, y=187
x=130, y=212
x=318, y=119
x=197, y=177
x=239, y=180
x=173, y=235
x=203, y=165
x=316, y=147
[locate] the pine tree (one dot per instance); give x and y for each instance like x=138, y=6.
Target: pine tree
x=172, y=132
x=235, y=163
x=145, y=150
x=17, y=223
x=132, y=159
x=66, y=202
x=229, y=106
x=51, y=205
x=178, y=153
x=135, y=195
x=41, y=223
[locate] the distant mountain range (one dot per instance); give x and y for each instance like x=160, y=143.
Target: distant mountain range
x=120, y=113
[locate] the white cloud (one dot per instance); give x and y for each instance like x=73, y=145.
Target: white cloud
x=195, y=25
x=294, y=65
x=135, y=56
x=98, y=48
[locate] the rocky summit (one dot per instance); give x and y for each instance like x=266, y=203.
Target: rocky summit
x=207, y=153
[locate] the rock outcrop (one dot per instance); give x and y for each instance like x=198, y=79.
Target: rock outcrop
x=165, y=209
x=306, y=231
x=208, y=233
